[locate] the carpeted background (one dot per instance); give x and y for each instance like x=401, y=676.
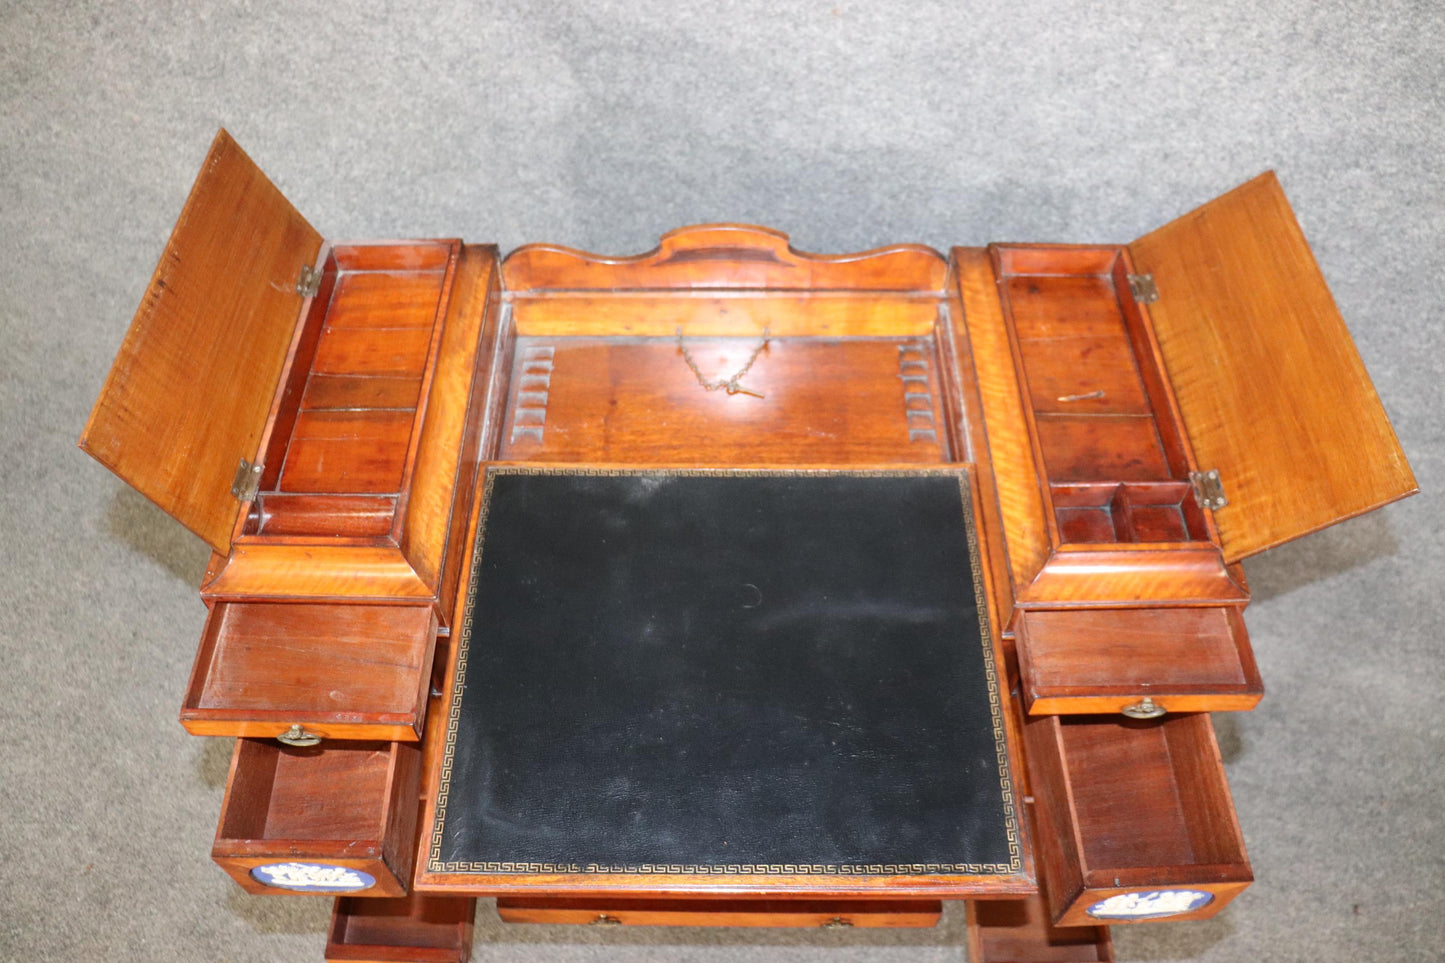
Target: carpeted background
x=601, y=125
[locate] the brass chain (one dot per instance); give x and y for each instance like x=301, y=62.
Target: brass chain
x=731, y=385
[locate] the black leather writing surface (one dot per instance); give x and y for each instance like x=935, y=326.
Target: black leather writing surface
x=725, y=672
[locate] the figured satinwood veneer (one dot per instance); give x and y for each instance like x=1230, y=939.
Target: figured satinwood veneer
x=350, y=804
x=417, y=928
x=1129, y=807
x=341, y=671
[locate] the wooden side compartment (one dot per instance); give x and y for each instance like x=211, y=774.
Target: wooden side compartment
x=340, y=671
x=1134, y=820
x=345, y=434
x=1122, y=520
x=328, y=819
x=413, y=929
x=728, y=912
x=1138, y=661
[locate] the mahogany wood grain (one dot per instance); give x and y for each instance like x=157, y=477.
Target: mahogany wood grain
x=1056, y=260
x=1016, y=470
x=1127, y=806
x=1083, y=375
x=343, y=804
x=445, y=459
x=635, y=400
x=407, y=255
x=722, y=912
x=1053, y=302
x=1271, y=388
x=380, y=299
x=726, y=256
x=353, y=516
x=1193, y=659
x=1019, y=931
x=362, y=451
x=1078, y=448
x=195, y=378
x=281, y=419
x=362, y=391
x=411, y=929
x=721, y=280
x=343, y=671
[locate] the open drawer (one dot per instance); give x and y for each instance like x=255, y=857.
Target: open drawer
x=1134, y=820
x=337, y=671
x=338, y=819
x=1141, y=662
x=415, y=929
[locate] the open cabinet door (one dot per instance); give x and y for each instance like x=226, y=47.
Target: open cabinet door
x=188, y=396
x=1270, y=387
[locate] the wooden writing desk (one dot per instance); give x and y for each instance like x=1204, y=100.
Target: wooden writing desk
x=1131, y=422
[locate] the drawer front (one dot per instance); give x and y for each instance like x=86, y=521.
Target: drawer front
x=332, y=820
x=332, y=670
x=1134, y=820
x=832, y=914
x=1142, y=662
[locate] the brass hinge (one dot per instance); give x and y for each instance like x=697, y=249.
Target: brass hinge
x=247, y=481
x=1208, y=489
x=1143, y=288
x=309, y=282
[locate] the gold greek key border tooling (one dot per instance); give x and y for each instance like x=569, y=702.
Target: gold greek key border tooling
x=1015, y=863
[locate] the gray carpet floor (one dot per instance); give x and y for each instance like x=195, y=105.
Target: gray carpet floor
x=601, y=125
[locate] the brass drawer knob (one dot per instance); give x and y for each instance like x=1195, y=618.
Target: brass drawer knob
x=1145, y=708
x=298, y=736
x=604, y=920
x=837, y=923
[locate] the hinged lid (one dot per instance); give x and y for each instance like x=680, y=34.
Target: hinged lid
x=1270, y=387
x=188, y=395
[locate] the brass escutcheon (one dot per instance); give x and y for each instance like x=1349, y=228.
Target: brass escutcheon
x=836, y=923
x=604, y=920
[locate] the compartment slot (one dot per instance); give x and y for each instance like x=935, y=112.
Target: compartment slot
x=1151, y=512
x=1132, y=808
x=635, y=400
x=1101, y=448
x=339, y=670
x=419, y=928
x=362, y=451
x=351, y=428
x=350, y=806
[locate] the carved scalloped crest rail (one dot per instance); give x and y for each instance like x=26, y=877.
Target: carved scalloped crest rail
x=724, y=279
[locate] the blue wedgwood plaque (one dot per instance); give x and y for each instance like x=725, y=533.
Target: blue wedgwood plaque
x=1150, y=904
x=313, y=877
